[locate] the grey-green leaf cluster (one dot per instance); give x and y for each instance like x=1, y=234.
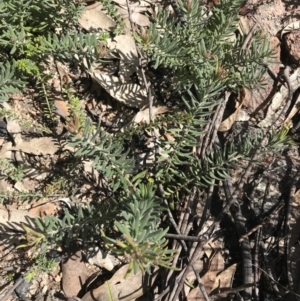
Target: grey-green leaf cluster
x=142, y=242
x=206, y=51
x=108, y=157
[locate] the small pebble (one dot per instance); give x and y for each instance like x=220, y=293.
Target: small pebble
x=44, y=290
x=58, y=278
x=54, y=255
x=22, y=290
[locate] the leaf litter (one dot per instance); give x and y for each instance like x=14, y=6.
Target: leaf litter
x=217, y=273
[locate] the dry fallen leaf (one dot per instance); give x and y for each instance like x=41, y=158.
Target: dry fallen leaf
x=61, y=108
x=228, y=122
x=131, y=95
x=43, y=207
x=143, y=3
x=215, y=266
x=257, y=99
x=63, y=74
x=290, y=27
x=244, y=25
x=143, y=115
x=124, y=46
x=224, y=280
x=136, y=16
x=120, y=288
x=12, y=219
x=93, y=18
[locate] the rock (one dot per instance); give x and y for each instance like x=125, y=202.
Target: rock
x=22, y=290
x=292, y=44
x=74, y=271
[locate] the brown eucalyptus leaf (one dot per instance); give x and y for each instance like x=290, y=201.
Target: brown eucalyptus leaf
x=121, y=288
x=130, y=94
x=214, y=266
x=93, y=18
x=224, y=279
x=140, y=19
x=228, y=122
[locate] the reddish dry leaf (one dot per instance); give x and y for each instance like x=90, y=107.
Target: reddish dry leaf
x=43, y=208
x=61, y=108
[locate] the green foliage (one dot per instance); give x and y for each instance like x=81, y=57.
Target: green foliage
x=10, y=171
x=206, y=59
x=27, y=40
x=108, y=157
x=41, y=264
x=23, y=21
x=205, y=52
x=8, y=84
x=141, y=241
x=9, y=277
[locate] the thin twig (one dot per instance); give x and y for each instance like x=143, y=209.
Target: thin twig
x=211, y=131
x=256, y=263
x=219, y=120
x=266, y=218
x=201, y=285
x=196, y=251
x=11, y=290
x=287, y=236
x=146, y=83
x=233, y=290
x=267, y=265
x=184, y=237
x=286, y=75
x=245, y=245
x=284, y=288
x=248, y=39
x=208, y=130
